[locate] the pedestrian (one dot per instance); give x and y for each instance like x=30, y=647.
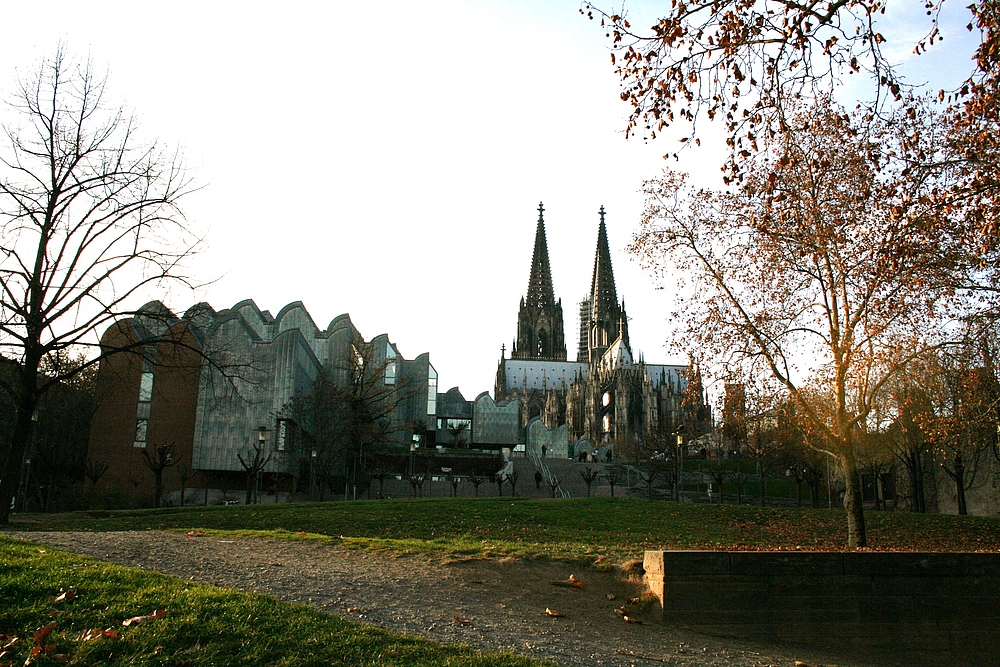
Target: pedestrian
x=544, y=449
x=538, y=480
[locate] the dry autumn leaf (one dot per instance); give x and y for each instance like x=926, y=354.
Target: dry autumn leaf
x=97, y=633
x=65, y=595
x=195, y=533
x=629, y=619
x=553, y=613
x=139, y=620
x=462, y=621
x=43, y=632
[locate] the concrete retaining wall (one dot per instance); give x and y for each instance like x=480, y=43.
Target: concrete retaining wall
x=930, y=608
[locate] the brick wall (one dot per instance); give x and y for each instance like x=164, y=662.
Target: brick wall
x=901, y=608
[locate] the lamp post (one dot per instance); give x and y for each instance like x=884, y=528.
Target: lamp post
x=261, y=443
x=680, y=463
x=312, y=475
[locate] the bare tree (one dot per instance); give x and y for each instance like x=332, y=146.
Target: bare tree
x=417, y=484
x=185, y=473
x=349, y=415
x=164, y=456
x=89, y=217
x=254, y=466
x=589, y=476
x=476, y=480
x=613, y=475
x=93, y=471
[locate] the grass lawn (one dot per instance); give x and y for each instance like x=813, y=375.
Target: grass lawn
x=200, y=625
x=574, y=529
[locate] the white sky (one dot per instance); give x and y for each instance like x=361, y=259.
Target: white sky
x=387, y=160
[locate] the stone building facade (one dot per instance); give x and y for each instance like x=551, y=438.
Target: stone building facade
x=607, y=394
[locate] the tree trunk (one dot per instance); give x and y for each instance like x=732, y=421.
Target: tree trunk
x=158, y=487
x=853, y=503
x=959, y=476
x=13, y=453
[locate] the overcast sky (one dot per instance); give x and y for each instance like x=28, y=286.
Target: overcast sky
x=387, y=159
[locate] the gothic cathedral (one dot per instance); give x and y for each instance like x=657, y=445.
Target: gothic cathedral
x=606, y=395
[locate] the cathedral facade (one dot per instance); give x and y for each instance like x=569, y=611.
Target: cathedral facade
x=607, y=395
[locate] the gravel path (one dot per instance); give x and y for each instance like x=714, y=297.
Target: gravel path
x=500, y=605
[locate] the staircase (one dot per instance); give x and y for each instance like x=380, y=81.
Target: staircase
x=570, y=481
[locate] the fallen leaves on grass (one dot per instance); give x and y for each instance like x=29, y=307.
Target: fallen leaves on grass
x=65, y=595
x=462, y=621
x=195, y=533
x=8, y=646
x=97, y=633
x=41, y=634
x=139, y=620
x=554, y=614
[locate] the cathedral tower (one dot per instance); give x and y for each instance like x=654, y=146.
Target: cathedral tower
x=605, y=317
x=540, y=319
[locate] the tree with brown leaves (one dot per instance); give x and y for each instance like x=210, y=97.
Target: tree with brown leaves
x=810, y=263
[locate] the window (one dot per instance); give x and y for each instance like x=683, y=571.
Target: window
x=141, y=426
x=432, y=388
x=142, y=408
x=146, y=387
x=390, y=364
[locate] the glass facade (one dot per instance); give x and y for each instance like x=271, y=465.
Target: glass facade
x=432, y=390
x=390, y=363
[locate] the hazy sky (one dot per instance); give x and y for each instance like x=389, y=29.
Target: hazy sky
x=387, y=160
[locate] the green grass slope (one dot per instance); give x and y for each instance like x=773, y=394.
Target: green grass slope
x=574, y=529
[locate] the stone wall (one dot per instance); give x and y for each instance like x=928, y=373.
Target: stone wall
x=910, y=608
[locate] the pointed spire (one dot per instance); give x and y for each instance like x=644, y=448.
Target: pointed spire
x=603, y=297
x=606, y=316
x=540, y=292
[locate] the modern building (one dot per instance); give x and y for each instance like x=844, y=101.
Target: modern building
x=217, y=385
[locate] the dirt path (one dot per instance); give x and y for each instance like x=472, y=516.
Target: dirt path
x=499, y=604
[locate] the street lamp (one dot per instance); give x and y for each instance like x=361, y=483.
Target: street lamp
x=261, y=442
x=312, y=475
x=680, y=463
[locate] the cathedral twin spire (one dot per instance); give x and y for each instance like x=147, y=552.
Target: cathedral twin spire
x=540, y=320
